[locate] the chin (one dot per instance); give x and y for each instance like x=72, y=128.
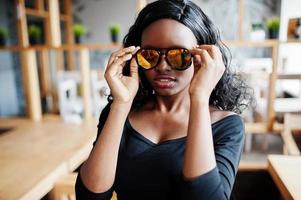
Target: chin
x=164, y=93
x=168, y=92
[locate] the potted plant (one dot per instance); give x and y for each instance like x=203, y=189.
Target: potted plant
x=273, y=25
x=35, y=34
x=258, y=32
x=3, y=36
x=115, y=31
x=79, y=31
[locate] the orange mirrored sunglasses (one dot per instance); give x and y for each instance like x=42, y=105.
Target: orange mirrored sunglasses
x=177, y=58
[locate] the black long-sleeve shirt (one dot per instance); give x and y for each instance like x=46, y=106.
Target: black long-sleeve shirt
x=146, y=170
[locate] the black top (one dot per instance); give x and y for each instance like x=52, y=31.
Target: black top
x=146, y=170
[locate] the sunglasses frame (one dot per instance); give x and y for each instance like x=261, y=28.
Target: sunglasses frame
x=161, y=53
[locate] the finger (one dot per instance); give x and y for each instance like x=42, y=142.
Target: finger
x=132, y=53
x=120, y=53
x=122, y=59
x=135, y=51
x=205, y=57
x=197, y=61
x=128, y=50
x=134, y=69
x=123, y=51
x=213, y=50
x=117, y=65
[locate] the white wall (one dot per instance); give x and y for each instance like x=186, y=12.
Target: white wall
x=289, y=9
x=8, y=89
x=289, y=51
x=98, y=15
x=8, y=95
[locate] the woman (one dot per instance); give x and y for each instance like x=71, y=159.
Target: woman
x=170, y=130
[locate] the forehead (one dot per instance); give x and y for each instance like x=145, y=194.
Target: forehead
x=166, y=33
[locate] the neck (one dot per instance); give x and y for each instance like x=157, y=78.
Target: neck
x=173, y=103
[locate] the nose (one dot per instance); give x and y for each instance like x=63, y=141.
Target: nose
x=163, y=65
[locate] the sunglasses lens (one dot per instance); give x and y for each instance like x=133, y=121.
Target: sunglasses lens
x=179, y=59
x=147, y=58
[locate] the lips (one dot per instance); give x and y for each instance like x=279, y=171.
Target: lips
x=164, y=82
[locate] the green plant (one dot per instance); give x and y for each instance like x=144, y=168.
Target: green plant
x=3, y=33
x=257, y=26
x=79, y=30
x=34, y=31
x=273, y=23
x=115, y=29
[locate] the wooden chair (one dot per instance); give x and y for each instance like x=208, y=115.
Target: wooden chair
x=64, y=188
x=291, y=122
x=70, y=105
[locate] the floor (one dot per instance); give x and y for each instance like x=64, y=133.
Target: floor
x=250, y=185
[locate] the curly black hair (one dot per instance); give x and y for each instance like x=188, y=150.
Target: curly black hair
x=231, y=92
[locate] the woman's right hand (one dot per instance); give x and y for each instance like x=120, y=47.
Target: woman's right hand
x=123, y=88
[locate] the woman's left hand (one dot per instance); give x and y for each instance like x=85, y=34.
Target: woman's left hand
x=208, y=70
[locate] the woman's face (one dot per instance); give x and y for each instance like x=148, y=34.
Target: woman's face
x=163, y=34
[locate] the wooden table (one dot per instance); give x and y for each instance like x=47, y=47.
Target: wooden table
x=286, y=173
x=34, y=155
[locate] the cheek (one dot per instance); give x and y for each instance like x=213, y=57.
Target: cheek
x=149, y=74
x=185, y=77
x=189, y=73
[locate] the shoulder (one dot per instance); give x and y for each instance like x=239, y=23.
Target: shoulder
x=227, y=125
x=226, y=119
x=220, y=115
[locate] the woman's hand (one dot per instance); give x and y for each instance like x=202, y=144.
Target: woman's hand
x=123, y=88
x=208, y=70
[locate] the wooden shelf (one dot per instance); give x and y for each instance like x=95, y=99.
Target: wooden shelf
x=289, y=76
x=265, y=75
x=291, y=41
x=36, y=13
x=90, y=46
x=64, y=17
x=10, y=48
x=63, y=47
x=19, y=48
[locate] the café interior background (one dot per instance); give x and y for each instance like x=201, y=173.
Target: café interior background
x=53, y=54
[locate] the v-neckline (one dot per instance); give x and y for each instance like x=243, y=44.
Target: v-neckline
x=148, y=141
x=169, y=141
